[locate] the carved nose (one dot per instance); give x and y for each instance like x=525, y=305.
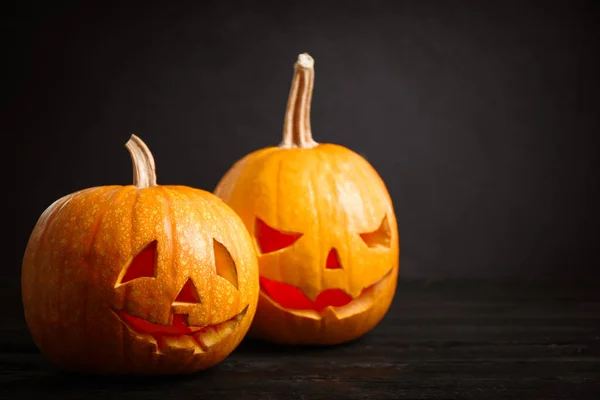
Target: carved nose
x=188, y=293
x=333, y=260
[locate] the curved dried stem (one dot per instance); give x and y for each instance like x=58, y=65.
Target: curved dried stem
x=144, y=170
x=296, y=126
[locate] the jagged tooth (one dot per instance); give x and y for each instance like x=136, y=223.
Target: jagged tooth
x=210, y=336
x=198, y=338
x=207, y=337
x=180, y=342
x=160, y=345
x=227, y=327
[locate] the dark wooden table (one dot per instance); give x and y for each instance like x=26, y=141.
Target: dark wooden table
x=440, y=340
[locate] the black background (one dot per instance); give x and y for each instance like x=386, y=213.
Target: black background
x=481, y=117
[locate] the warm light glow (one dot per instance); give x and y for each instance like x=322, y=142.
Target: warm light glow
x=188, y=293
x=142, y=265
x=381, y=237
x=178, y=327
x=224, y=263
x=270, y=239
x=291, y=297
x=333, y=260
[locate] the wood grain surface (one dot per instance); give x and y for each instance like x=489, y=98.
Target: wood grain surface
x=440, y=340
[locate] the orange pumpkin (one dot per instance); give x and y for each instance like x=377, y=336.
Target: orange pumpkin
x=324, y=228
x=143, y=279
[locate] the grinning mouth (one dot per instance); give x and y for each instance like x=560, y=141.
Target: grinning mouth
x=179, y=331
x=292, y=298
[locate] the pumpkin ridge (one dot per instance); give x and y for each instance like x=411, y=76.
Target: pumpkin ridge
x=171, y=222
x=278, y=196
x=127, y=288
x=315, y=204
x=49, y=227
x=61, y=273
x=86, y=252
x=105, y=207
x=44, y=231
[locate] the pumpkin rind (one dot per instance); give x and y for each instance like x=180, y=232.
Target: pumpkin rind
x=330, y=195
x=78, y=250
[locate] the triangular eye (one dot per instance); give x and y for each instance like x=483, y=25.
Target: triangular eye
x=188, y=293
x=270, y=239
x=224, y=263
x=142, y=265
x=379, y=238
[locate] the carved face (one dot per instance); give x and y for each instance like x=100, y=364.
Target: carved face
x=143, y=276
x=325, y=231
x=151, y=281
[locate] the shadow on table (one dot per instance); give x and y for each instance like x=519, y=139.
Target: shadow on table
x=55, y=380
x=38, y=375
x=257, y=346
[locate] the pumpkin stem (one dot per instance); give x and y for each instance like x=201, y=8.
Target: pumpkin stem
x=296, y=126
x=144, y=170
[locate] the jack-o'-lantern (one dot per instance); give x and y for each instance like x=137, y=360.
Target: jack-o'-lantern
x=141, y=279
x=324, y=228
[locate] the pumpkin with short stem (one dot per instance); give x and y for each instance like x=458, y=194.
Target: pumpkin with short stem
x=142, y=279
x=324, y=227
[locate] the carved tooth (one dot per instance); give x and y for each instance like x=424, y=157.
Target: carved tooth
x=210, y=336
x=227, y=328
x=199, y=340
x=160, y=345
x=183, y=345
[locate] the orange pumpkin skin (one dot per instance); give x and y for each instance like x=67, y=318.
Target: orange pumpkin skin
x=94, y=302
x=325, y=199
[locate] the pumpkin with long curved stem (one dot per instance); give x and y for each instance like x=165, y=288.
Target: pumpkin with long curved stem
x=324, y=227
x=143, y=278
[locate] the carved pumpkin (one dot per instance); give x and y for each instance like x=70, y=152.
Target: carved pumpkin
x=143, y=279
x=324, y=228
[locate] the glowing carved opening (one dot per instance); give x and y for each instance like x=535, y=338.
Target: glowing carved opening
x=188, y=294
x=178, y=327
x=225, y=264
x=379, y=238
x=143, y=265
x=204, y=336
x=291, y=297
x=270, y=239
x=333, y=260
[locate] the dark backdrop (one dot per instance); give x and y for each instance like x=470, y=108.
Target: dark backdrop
x=482, y=117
